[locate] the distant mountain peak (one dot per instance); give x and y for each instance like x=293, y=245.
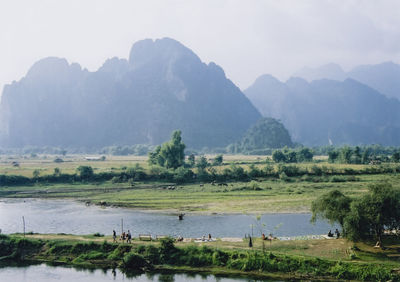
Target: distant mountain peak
x=329, y=71
x=266, y=79
x=296, y=81
x=148, y=50
x=383, y=77
x=163, y=86
x=49, y=66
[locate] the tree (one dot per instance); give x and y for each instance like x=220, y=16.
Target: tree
x=155, y=157
x=372, y=213
x=365, y=158
x=305, y=155
x=278, y=156
x=36, y=173
x=171, y=154
x=57, y=171
x=85, y=172
x=291, y=157
x=202, y=163
x=218, y=159
x=345, y=154
x=396, y=157
x=332, y=206
x=357, y=155
x=191, y=160
x=333, y=156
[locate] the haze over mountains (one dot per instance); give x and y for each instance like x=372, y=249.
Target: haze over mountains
x=163, y=86
x=327, y=112
x=384, y=77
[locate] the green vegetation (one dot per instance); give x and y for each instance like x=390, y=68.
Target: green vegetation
x=293, y=156
x=240, y=184
x=363, y=155
x=267, y=134
x=374, y=212
x=234, y=258
x=171, y=154
x=333, y=206
x=363, y=218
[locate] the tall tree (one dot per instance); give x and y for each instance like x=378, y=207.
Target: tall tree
x=372, y=213
x=332, y=206
x=171, y=154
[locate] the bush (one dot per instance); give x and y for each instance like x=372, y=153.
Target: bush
x=338, y=179
x=152, y=254
x=134, y=261
x=167, y=249
x=92, y=255
x=85, y=172
x=183, y=175
x=119, y=252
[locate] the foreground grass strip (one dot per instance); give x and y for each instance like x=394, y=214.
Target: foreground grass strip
x=150, y=256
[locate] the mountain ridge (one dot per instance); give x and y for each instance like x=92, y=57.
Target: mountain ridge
x=324, y=112
x=383, y=77
x=163, y=86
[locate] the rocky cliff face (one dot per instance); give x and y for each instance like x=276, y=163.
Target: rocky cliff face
x=162, y=87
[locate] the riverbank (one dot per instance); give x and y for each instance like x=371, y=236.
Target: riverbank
x=287, y=260
x=241, y=184
x=264, y=195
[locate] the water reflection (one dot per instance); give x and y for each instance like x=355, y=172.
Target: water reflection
x=47, y=273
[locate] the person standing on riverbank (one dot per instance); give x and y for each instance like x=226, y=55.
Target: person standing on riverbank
x=128, y=237
x=114, y=236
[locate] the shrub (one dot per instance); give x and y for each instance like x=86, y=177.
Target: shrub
x=152, y=254
x=134, y=261
x=119, y=252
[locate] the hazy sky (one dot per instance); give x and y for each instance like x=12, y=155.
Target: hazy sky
x=247, y=37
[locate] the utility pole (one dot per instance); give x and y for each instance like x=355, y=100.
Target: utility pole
x=23, y=222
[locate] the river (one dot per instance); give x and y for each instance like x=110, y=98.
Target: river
x=71, y=217
x=46, y=273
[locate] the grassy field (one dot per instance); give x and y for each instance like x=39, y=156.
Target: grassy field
x=261, y=195
x=307, y=259
x=335, y=249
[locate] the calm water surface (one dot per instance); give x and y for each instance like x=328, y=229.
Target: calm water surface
x=64, y=216
x=45, y=273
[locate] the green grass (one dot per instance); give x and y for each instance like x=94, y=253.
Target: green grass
x=273, y=196
x=293, y=194
x=334, y=259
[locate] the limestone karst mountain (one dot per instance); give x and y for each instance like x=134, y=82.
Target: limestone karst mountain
x=327, y=112
x=384, y=77
x=162, y=87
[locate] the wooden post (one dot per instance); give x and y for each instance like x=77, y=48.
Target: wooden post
x=23, y=221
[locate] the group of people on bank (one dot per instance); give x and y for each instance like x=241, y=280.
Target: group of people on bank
x=124, y=236
x=337, y=233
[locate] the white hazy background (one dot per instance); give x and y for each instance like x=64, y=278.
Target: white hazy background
x=246, y=37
